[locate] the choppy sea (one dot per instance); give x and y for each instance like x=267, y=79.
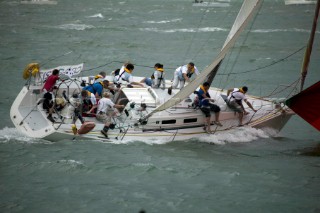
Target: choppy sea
x=248, y=170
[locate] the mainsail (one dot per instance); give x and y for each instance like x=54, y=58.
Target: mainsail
x=248, y=8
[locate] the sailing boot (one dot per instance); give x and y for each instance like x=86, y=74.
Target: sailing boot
x=104, y=131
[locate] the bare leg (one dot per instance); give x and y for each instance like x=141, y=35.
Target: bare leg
x=207, y=123
x=240, y=118
x=217, y=116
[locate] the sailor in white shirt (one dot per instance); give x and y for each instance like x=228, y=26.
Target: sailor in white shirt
x=183, y=74
x=105, y=111
x=235, y=97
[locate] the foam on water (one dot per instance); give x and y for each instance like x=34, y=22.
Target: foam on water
x=163, y=21
x=8, y=135
x=99, y=15
x=186, y=30
x=75, y=26
x=281, y=30
x=240, y=135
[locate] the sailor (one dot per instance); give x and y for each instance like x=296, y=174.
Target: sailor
x=125, y=75
x=207, y=106
x=100, y=77
x=106, y=110
x=48, y=97
x=89, y=101
x=235, y=97
x=157, y=78
x=98, y=87
x=183, y=74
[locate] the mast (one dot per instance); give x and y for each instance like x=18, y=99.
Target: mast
x=307, y=54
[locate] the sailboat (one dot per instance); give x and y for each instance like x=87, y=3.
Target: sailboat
x=149, y=113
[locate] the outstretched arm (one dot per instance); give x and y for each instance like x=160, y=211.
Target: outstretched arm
x=249, y=105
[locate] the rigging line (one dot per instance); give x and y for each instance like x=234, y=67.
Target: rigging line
x=242, y=44
x=259, y=68
x=206, y=42
x=190, y=44
x=274, y=92
x=121, y=62
x=99, y=66
x=54, y=58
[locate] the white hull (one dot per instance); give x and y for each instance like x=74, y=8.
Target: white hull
x=176, y=123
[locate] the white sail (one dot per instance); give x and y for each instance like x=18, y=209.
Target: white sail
x=246, y=12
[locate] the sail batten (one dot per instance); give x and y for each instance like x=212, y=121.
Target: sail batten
x=248, y=8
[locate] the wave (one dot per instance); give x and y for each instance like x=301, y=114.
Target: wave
x=8, y=135
x=40, y=2
x=75, y=26
x=189, y=30
x=163, y=22
x=282, y=30
x=99, y=15
x=239, y=135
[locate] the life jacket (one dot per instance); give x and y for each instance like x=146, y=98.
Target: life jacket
x=189, y=74
x=125, y=70
x=161, y=70
x=237, y=100
x=201, y=99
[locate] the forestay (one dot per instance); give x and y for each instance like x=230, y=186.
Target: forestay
x=248, y=8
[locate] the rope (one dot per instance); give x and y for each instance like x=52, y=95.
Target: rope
x=269, y=65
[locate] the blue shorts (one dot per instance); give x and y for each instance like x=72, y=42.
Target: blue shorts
x=148, y=82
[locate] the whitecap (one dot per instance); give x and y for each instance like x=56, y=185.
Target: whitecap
x=281, y=30
x=48, y=2
x=163, y=21
x=239, y=135
x=75, y=26
x=99, y=15
x=8, y=135
x=190, y=30
x=73, y=163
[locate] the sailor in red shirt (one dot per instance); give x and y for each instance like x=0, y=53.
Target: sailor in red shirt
x=51, y=81
x=48, y=87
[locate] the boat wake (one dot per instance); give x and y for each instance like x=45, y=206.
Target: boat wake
x=239, y=135
x=8, y=135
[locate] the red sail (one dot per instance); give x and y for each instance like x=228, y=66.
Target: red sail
x=307, y=105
